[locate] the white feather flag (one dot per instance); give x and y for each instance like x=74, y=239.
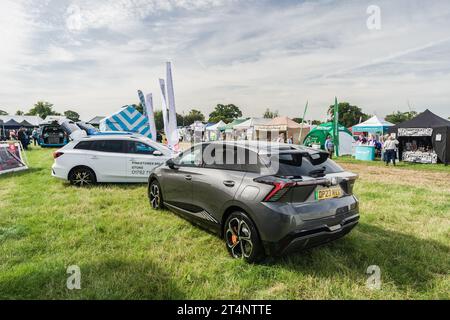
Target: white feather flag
x=172, y=134
x=150, y=115
x=164, y=106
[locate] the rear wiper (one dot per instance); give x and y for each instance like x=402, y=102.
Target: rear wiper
x=317, y=173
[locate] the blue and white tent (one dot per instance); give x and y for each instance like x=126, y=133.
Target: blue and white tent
x=126, y=119
x=373, y=125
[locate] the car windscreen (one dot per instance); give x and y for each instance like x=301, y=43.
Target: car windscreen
x=298, y=164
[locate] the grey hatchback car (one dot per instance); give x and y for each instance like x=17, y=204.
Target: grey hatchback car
x=262, y=198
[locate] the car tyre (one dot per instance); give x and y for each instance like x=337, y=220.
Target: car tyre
x=242, y=238
x=155, y=195
x=82, y=177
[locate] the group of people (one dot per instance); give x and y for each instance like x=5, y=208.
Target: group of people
x=23, y=136
x=280, y=139
x=390, y=145
x=386, y=147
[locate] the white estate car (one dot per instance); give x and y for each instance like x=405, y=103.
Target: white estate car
x=109, y=158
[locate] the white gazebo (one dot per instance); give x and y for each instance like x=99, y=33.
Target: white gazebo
x=246, y=129
x=213, y=131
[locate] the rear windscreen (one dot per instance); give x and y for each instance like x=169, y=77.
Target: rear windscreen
x=300, y=164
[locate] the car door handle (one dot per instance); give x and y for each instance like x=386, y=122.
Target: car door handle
x=188, y=177
x=229, y=183
x=94, y=157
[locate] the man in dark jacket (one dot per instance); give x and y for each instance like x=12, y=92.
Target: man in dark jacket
x=23, y=137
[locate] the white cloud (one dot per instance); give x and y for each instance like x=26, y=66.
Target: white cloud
x=94, y=55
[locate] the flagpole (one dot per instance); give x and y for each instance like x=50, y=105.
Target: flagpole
x=336, y=127
x=303, y=119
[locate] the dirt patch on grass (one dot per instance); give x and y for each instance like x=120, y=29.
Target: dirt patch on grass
x=391, y=175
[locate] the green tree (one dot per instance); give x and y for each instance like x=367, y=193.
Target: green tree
x=159, y=123
x=268, y=114
x=19, y=113
x=72, y=115
x=43, y=109
x=225, y=113
x=192, y=116
x=313, y=122
x=3, y=113
x=139, y=107
x=348, y=115
x=398, y=116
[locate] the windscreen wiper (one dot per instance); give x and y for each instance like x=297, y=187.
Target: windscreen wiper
x=318, y=173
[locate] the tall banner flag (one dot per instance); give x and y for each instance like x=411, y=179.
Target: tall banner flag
x=164, y=106
x=303, y=120
x=142, y=101
x=336, y=127
x=172, y=134
x=150, y=115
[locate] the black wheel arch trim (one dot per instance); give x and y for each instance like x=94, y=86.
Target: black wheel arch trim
x=228, y=208
x=81, y=166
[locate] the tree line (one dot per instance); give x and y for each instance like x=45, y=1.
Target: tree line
x=349, y=115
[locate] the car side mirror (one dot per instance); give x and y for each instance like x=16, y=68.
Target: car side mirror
x=157, y=153
x=171, y=164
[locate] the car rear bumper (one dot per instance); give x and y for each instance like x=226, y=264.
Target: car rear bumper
x=285, y=226
x=59, y=172
x=328, y=230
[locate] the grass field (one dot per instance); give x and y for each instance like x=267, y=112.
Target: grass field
x=127, y=251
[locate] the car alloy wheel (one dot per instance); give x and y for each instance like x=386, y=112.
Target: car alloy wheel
x=239, y=238
x=82, y=177
x=155, y=196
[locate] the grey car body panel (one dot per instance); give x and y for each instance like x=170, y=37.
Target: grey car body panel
x=281, y=225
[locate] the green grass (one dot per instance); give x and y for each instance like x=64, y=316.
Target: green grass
x=401, y=165
x=127, y=251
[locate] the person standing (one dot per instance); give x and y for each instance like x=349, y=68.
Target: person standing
x=12, y=135
x=35, y=136
x=22, y=136
x=390, y=147
x=329, y=146
x=280, y=138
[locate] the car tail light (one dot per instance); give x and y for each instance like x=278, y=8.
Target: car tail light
x=280, y=187
x=57, y=154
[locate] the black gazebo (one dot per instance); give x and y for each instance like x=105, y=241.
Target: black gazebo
x=424, y=139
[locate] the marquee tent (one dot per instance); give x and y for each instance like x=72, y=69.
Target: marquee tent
x=216, y=127
x=320, y=133
x=424, y=139
x=284, y=125
x=11, y=124
x=250, y=123
x=32, y=120
x=247, y=128
x=126, y=119
x=95, y=121
x=229, y=128
x=373, y=125
x=213, y=131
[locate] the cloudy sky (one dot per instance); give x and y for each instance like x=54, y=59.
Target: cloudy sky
x=92, y=56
